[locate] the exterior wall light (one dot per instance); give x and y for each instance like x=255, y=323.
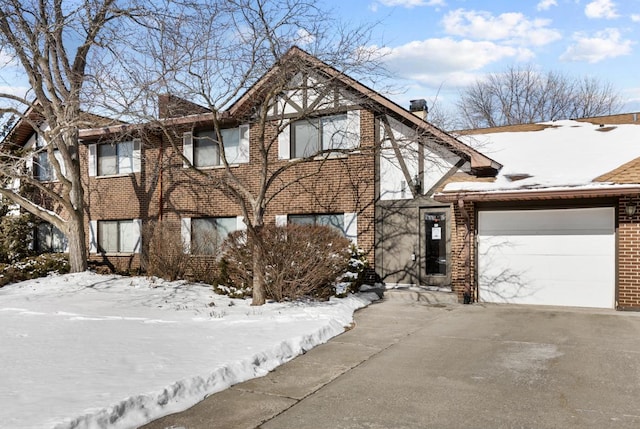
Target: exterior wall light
x=630, y=209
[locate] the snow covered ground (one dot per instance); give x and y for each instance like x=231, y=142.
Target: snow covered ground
x=93, y=351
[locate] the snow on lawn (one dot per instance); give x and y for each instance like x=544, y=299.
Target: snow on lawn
x=91, y=351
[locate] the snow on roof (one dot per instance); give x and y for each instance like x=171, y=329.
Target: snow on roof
x=564, y=154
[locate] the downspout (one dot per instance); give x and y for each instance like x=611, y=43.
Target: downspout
x=161, y=172
x=468, y=292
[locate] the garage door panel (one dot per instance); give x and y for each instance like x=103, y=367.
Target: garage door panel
x=596, y=245
x=541, y=268
x=594, y=221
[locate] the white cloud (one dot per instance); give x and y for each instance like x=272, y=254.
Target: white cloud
x=635, y=17
x=413, y=3
x=601, y=9
x=631, y=97
x=546, y=4
x=433, y=60
x=603, y=45
x=304, y=37
x=513, y=27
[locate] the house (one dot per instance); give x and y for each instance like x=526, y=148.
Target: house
x=331, y=150
x=559, y=224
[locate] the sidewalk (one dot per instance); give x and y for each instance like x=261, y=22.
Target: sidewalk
x=377, y=327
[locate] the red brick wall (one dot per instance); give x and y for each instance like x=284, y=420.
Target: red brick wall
x=462, y=248
x=132, y=196
x=340, y=185
x=628, y=296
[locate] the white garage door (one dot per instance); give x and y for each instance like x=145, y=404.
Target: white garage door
x=548, y=257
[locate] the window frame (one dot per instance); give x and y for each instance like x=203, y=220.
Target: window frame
x=200, y=140
x=315, y=220
x=119, y=244
x=42, y=163
x=118, y=157
x=318, y=123
x=50, y=234
x=207, y=249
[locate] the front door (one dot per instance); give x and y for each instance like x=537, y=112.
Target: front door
x=436, y=248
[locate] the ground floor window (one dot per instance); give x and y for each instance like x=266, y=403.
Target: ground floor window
x=207, y=234
x=334, y=220
x=50, y=239
x=118, y=236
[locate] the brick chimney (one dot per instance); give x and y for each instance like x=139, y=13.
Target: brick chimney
x=419, y=108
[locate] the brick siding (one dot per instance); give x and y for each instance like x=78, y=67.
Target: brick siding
x=459, y=248
x=340, y=185
x=628, y=296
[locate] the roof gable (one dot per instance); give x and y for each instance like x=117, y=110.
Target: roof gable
x=297, y=61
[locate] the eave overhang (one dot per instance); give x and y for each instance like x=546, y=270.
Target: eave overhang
x=197, y=120
x=539, y=194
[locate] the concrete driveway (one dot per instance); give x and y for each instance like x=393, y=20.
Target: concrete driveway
x=411, y=363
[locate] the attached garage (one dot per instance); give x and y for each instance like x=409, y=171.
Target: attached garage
x=560, y=257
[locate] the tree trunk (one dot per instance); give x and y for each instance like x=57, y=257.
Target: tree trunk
x=259, y=295
x=77, y=245
x=77, y=242
x=259, y=276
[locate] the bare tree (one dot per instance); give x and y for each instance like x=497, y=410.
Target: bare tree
x=55, y=44
x=217, y=51
x=524, y=95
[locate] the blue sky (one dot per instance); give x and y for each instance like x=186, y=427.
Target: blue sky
x=436, y=47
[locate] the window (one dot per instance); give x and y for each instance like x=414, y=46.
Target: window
x=115, y=158
x=118, y=236
x=50, y=239
x=207, y=234
x=307, y=137
x=333, y=220
x=43, y=168
x=202, y=149
x=310, y=136
x=206, y=152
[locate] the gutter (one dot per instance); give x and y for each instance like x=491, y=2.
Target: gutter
x=537, y=194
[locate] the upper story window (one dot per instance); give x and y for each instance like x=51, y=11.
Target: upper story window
x=115, y=158
x=307, y=137
x=206, y=152
x=310, y=136
x=110, y=159
x=203, y=150
x=43, y=169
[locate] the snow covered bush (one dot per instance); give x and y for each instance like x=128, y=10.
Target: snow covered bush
x=34, y=267
x=300, y=261
x=351, y=281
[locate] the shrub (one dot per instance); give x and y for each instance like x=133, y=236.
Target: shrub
x=351, y=281
x=34, y=267
x=164, y=255
x=16, y=237
x=203, y=269
x=299, y=261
